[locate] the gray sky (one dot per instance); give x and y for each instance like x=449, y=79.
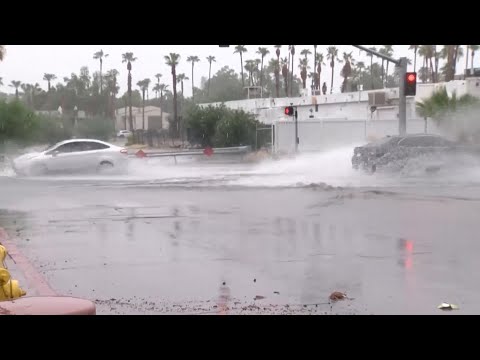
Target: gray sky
x=28, y=63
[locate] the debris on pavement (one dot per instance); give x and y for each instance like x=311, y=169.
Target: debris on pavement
x=259, y=297
x=447, y=306
x=276, y=292
x=337, y=295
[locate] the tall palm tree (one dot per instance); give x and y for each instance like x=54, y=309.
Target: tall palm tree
x=16, y=85
x=285, y=74
x=332, y=55
x=49, y=78
x=250, y=67
x=240, y=49
x=320, y=62
x=112, y=89
x=415, y=49
x=346, y=71
x=256, y=62
x=210, y=59
x=180, y=79
x=142, y=84
x=275, y=66
x=193, y=60
x=262, y=51
x=303, y=66
x=158, y=76
x=163, y=88
x=371, y=65
x=26, y=91
x=129, y=58
x=473, y=48
x=172, y=60
x=422, y=51
x=3, y=51
x=100, y=55
x=277, y=52
x=292, y=51
x=388, y=50
x=156, y=90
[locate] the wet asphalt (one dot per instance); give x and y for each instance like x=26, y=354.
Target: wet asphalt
x=143, y=247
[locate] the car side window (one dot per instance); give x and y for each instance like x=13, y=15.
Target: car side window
x=65, y=148
x=91, y=145
x=413, y=141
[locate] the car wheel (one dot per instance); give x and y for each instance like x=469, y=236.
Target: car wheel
x=105, y=166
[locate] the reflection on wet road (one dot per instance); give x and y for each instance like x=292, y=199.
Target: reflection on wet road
x=147, y=247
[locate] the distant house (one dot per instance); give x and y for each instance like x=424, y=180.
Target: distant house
x=154, y=119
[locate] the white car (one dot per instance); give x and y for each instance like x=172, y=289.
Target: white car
x=124, y=133
x=72, y=156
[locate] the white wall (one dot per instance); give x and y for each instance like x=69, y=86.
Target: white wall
x=317, y=135
x=349, y=106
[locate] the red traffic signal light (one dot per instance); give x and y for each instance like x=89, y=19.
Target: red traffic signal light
x=410, y=84
x=289, y=111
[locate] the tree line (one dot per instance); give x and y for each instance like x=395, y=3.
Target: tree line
x=279, y=76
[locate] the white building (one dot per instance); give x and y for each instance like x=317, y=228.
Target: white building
x=154, y=118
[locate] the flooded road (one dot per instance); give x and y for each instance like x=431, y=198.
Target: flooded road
x=273, y=238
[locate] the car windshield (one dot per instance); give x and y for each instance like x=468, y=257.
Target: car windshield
x=242, y=179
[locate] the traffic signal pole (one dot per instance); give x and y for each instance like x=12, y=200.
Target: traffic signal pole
x=402, y=99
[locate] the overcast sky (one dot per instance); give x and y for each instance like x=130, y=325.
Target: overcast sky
x=28, y=63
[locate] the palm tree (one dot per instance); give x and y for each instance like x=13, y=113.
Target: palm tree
x=193, y=60
x=332, y=55
x=292, y=51
x=49, y=78
x=388, y=50
x=210, y=59
x=285, y=74
x=415, y=49
x=473, y=48
x=180, y=79
x=256, y=62
x=346, y=71
x=156, y=90
x=163, y=88
x=158, y=76
x=240, y=49
x=100, y=55
x=16, y=85
x=112, y=89
x=26, y=91
x=277, y=52
x=275, y=66
x=129, y=58
x=172, y=60
x=371, y=65
x=262, y=51
x=1, y=82
x=320, y=62
x=250, y=67
x=143, y=85
x=2, y=52
x=422, y=51
x=303, y=66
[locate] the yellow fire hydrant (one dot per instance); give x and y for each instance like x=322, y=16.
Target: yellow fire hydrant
x=9, y=288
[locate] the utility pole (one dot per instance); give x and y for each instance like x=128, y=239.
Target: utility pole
x=402, y=99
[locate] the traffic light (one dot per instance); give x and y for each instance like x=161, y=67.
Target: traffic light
x=410, y=84
x=289, y=111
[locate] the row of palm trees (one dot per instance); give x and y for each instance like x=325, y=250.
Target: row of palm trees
x=432, y=55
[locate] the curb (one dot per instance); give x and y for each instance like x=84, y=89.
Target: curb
x=34, y=279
